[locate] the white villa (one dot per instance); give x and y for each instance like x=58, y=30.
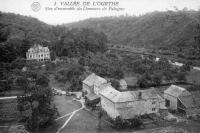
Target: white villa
x=128, y=104
x=38, y=53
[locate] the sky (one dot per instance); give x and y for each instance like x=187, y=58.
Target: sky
x=55, y=16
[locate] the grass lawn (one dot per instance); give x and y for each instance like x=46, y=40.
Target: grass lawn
x=193, y=76
x=84, y=122
x=66, y=104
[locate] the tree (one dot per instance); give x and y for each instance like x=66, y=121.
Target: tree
x=36, y=105
x=185, y=67
x=115, y=84
x=181, y=76
x=157, y=79
x=42, y=80
x=18, y=63
x=119, y=122
x=197, y=39
x=74, y=75
x=145, y=80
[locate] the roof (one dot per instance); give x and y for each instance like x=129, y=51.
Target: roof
x=89, y=80
x=176, y=91
x=38, y=48
x=92, y=96
x=94, y=79
x=110, y=93
x=116, y=96
x=192, y=100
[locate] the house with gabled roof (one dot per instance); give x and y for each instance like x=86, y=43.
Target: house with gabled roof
x=92, y=85
x=183, y=101
x=129, y=104
x=171, y=96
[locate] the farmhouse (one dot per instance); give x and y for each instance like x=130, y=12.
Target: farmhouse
x=92, y=85
x=38, y=53
x=183, y=101
x=130, y=103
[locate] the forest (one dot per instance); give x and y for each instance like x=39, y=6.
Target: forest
x=169, y=32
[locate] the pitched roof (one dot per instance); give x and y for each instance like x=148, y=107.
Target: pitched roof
x=110, y=93
x=192, y=100
x=38, y=48
x=116, y=96
x=92, y=96
x=89, y=80
x=94, y=79
x=99, y=81
x=176, y=91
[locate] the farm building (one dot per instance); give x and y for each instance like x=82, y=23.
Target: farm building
x=130, y=103
x=171, y=96
x=183, y=101
x=92, y=83
x=91, y=87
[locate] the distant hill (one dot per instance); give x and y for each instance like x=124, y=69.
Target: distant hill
x=171, y=31
x=158, y=30
x=14, y=26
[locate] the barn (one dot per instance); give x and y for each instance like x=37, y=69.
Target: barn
x=172, y=94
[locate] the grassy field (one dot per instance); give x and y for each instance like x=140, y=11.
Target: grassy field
x=84, y=122
x=66, y=104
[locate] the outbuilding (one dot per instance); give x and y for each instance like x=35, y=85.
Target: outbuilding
x=172, y=94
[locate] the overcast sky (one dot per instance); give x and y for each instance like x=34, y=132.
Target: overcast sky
x=132, y=7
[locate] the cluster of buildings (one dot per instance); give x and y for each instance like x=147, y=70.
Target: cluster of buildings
x=128, y=104
x=38, y=53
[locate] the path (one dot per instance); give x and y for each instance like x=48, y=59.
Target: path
x=72, y=114
x=5, y=98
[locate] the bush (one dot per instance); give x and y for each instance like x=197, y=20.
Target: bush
x=130, y=123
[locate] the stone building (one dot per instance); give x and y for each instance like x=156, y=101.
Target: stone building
x=182, y=101
x=92, y=85
x=172, y=94
x=38, y=53
x=128, y=104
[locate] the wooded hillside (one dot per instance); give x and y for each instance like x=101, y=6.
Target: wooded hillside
x=173, y=31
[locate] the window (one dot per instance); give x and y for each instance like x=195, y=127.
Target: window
x=153, y=109
x=167, y=103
